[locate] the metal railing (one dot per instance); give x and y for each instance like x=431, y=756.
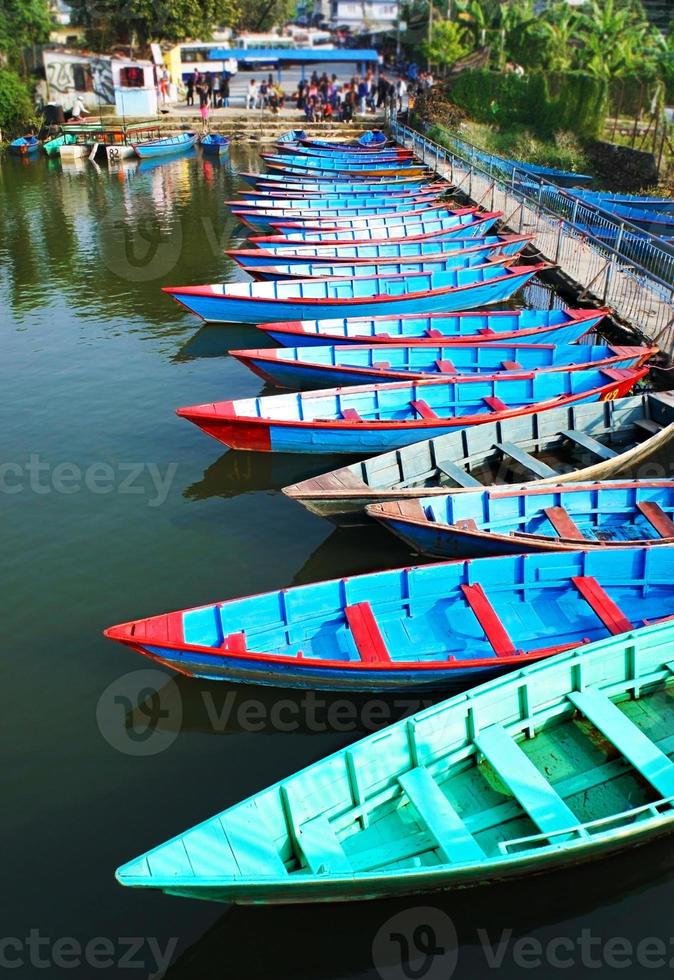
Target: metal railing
x=617, y=263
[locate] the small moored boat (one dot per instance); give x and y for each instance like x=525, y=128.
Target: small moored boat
x=557, y=764
x=373, y=418
x=464, y=223
x=562, y=444
x=25, y=146
x=165, y=146
x=506, y=520
x=215, y=144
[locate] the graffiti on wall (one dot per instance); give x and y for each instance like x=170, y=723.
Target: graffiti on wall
x=91, y=79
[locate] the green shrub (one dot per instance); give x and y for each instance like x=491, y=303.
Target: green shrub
x=16, y=107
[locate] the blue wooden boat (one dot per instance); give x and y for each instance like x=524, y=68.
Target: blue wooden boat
x=370, y=140
x=507, y=521
x=300, y=268
x=465, y=223
x=656, y=222
x=293, y=136
x=330, y=167
x=348, y=364
x=526, y=519
x=608, y=199
x=571, y=762
x=347, y=256
x=419, y=292
x=215, y=144
x=302, y=153
x=373, y=137
x=315, y=184
x=25, y=146
x=165, y=146
x=319, y=224
x=346, y=202
x=318, y=199
x=375, y=418
x=269, y=219
x=482, y=326
x=591, y=441
x=414, y=628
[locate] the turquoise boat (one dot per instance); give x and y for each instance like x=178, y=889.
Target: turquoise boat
x=557, y=764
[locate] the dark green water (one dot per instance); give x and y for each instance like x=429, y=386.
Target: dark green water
x=112, y=508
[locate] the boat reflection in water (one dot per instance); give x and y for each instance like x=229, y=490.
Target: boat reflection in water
x=217, y=339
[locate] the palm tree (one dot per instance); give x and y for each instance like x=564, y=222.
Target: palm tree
x=616, y=38
x=560, y=30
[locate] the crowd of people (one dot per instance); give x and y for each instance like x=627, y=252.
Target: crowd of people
x=320, y=97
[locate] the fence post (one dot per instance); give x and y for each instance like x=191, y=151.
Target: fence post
x=560, y=232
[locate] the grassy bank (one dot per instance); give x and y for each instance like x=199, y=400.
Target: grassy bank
x=562, y=150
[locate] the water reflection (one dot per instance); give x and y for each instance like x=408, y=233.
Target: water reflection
x=217, y=339
x=238, y=471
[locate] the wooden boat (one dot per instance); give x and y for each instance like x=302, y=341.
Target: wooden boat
x=165, y=146
x=311, y=224
x=330, y=203
x=297, y=152
x=375, y=418
x=215, y=144
x=316, y=199
x=506, y=521
x=373, y=137
x=429, y=627
x=52, y=146
x=314, y=181
x=656, y=222
x=464, y=223
x=609, y=198
x=561, y=444
x=482, y=326
x=441, y=262
x=326, y=367
x=570, y=763
x=25, y=146
x=422, y=292
x=272, y=219
x=293, y=136
x=338, y=169
x=360, y=256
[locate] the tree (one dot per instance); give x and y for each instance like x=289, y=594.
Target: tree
x=448, y=43
x=559, y=30
x=142, y=21
x=617, y=39
x=16, y=107
x=22, y=23
x=261, y=15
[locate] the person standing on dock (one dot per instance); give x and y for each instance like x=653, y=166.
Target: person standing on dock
x=224, y=91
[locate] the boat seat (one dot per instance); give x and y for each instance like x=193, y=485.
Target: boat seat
x=468, y=524
x=563, y=523
x=602, y=604
x=527, y=784
x=637, y=748
x=457, y=473
x=351, y=415
x=366, y=633
x=445, y=367
x=321, y=848
x=525, y=459
x=585, y=441
x=255, y=853
x=381, y=365
x=648, y=425
x=488, y=619
x=423, y=409
x=495, y=403
x=235, y=642
x=432, y=332
x=511, y=365
x=657, y=518
x=455, y=843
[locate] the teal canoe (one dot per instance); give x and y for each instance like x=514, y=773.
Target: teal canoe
x=557, y=764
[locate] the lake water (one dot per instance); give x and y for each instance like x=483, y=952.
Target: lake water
x=114, y=508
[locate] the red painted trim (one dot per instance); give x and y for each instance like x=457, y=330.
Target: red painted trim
x=427, y=236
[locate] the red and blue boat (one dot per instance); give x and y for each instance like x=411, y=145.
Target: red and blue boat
x=353, y=364
x=418, y=292
x=315, y=182
x=268, y=202
x=429, y=627
x=374, y=418
x=215, y=144
x=25, y=146
x=479, y=327
x=271, y=219
x=359, y=256
x=433, y=212
x=336, y=169
x=507, y=521
x=465, y=223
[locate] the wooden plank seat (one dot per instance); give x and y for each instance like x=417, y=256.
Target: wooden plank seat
x=432, y=332
x=423, y=409
x=381, y=365
x=366, y=634
x=255, y=854
x=495, y=403
x=563, y=523
x=602, y=604
x=351, y=415
x=457, y=473
x=321, y=848
x=511, y=365
x=648, y=426
x=455, y=843
x=525, y=459
x=655, y=767
x=657, y=518
x=488, y=619
x=445, y=367
x=529, y=787
x=467, y=525
x=586, y=441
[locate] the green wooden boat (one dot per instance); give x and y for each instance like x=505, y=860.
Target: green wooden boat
x=560, y=763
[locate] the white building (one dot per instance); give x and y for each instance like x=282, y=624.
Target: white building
x=364, y=16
